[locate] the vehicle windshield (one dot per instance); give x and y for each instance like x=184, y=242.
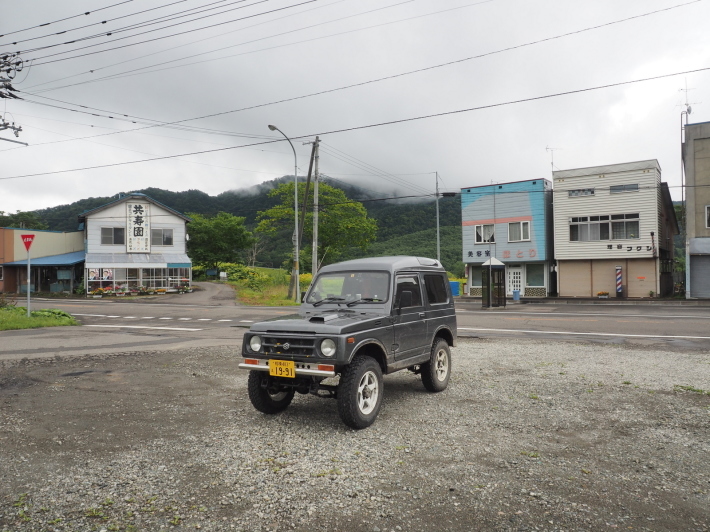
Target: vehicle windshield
x=346, y=287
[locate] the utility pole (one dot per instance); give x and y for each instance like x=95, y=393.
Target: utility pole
x=314, y=256
x=10, y=65
x=438, y=239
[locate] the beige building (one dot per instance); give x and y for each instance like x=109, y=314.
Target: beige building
x=56, y=260
x=613, y=231
x=696, y=162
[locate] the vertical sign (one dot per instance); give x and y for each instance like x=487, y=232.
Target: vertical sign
x=27, y=241
x=138, y=227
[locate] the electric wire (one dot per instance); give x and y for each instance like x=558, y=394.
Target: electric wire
x=424, y=69
x=66, y=18
x=378, y=124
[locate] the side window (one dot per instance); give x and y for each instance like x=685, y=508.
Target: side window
x=409, y=283
x=435, y=289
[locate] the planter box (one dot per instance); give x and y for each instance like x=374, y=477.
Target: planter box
x=161, y=293
x=97, y=296
x=172, y=290
x=120, y=294
x=603, y=297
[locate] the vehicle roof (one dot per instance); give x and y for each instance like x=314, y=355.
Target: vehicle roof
x=395, y=263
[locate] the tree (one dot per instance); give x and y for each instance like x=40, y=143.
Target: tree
x=22, y=220
x=216, y=239
x=342, y=223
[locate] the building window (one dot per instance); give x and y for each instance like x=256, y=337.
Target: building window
x=581, y=192
x=615, y=189
x=535, y=275
x=614, y=227
x=113, y=235
x=161, y=237
x=518, y=231
x=476, y=276
x=0, y=273
x=707, y=216
x=485, y=234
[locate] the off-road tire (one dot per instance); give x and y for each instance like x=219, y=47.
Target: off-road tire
x=436, y=372
x=360, y=392
x=264, y=401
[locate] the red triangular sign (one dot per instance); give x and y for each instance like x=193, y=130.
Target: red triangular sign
x=27, y=240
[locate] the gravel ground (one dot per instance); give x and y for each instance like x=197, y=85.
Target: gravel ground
x=530, y=435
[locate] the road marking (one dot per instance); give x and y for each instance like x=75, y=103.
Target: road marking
x=184, y=319
x=589, y=334
x=165, y=318
x=204, y=319
x=113, y=316
x=224, y=320
x=144, y=327
x=603, y=314
x=547, y=319
x=129, y=317
x=91, y=315
x=246, y=321
x=147, y=318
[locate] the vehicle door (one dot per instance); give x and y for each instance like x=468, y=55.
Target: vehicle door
x=410, y=329
x=439, y=307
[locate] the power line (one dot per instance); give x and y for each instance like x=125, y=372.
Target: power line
x=66, y=18
x=379, y=124
x=449, y=63
x=175, y=34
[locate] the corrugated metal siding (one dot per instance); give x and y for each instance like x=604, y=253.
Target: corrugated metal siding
x=699, y=276
x=575, y=278
x=646, y=202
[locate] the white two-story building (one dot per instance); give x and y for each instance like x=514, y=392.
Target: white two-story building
x=135, y=241
x=614, y=228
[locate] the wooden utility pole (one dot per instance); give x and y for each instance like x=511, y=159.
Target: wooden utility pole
x=314, y=256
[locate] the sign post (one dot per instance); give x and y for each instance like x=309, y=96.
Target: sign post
x=27, y=241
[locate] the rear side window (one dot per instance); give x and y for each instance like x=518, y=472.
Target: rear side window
x=410, y=284
x=435, y=289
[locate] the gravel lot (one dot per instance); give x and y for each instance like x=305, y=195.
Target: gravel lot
x=530, y=435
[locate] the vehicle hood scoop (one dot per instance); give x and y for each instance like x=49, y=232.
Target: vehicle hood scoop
x=324, y=318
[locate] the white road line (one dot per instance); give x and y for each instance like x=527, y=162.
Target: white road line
x=589, y=334
x=91, y=315
x=165, y=318
x=147, y=318
x=604, y=314
x=113, y=316
x=144, y=327
x=224, y=320
x=204, y=319
x=129, y=317
x=246, y=321
x=184, y=319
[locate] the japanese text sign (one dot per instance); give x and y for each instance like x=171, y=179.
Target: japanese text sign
x=27, y=241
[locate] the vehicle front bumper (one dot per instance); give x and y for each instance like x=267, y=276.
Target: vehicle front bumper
x=303, y=369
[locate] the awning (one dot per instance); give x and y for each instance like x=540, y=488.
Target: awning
x=65, y=259
x=137, y=260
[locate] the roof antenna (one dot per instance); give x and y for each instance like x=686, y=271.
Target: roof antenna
x=552, y=157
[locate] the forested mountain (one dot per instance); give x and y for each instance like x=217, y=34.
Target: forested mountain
x=404, y=228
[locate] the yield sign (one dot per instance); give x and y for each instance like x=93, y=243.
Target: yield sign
x=27, y=241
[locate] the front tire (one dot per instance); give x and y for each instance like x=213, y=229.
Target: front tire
x=264, y=399
x=436, y=372
x=360, y=392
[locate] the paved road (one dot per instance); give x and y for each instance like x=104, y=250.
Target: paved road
x=211, y=319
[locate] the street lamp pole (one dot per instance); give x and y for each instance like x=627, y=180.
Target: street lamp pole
x=295, y=211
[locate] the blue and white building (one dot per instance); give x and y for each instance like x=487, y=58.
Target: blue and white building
x=513, y=223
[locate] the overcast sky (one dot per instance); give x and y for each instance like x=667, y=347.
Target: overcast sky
x=284, y=49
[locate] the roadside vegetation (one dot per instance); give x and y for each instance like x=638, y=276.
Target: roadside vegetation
x=12, y=318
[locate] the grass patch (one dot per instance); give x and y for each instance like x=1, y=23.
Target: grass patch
x=13, y=318
x=678, y=387
x=270, y=296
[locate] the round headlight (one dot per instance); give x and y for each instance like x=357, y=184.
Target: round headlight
x=327, y=347
x=255, y=343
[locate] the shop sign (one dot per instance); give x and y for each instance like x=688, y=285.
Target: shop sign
x=629, y=248
x=138, y=226
x=506, y=254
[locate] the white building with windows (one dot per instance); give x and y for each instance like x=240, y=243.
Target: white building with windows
x=614, y=221
x=135, y=241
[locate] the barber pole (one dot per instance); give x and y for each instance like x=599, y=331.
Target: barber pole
x=619, y=289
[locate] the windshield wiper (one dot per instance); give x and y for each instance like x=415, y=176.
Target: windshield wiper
x=325, y=300
x=363, y=300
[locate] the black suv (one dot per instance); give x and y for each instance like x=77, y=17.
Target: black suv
x=359, y=320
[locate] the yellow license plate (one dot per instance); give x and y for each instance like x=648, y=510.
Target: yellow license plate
x=282, y=368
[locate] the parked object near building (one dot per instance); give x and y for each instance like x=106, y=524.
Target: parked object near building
x=56, y=260
x=511, y=222
x=135, y=241
x=696, y=162
x=614, y=228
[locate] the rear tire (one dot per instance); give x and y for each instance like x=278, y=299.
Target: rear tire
x=436, y=372
x=360, y=392
x=265, y=400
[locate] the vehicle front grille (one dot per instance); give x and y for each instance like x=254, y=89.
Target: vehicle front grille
x=298, y=346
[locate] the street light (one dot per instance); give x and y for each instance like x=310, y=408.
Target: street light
x=295, y=211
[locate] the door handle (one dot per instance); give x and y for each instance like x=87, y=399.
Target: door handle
x=421, y=314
